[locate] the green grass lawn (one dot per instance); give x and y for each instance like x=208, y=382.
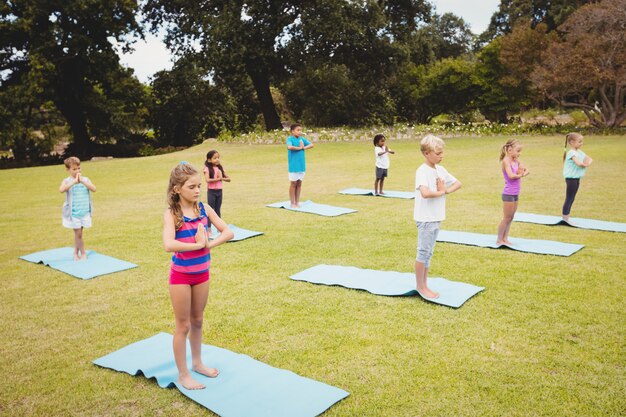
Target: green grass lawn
x=546, y=337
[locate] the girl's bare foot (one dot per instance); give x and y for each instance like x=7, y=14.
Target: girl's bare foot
x=205, y=370
x=189, y=383
x=76, y=257
x=566, y=218
x=500, y=242
x=508, y=242
x=428, y=293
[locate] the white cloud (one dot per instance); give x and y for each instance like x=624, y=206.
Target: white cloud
x=148, y=57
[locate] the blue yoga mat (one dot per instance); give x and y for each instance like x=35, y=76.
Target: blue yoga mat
x=245, y=387
x=451, y=293
x=573, y=221
x=543, y=247
x=390, y=194
x=240, y=234
x=62, y=259
x=315, y=208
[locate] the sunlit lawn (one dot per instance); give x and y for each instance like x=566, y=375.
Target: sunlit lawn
x=546, y=337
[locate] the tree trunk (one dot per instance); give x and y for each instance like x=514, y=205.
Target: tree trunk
x=82, y=146
x=20, y=149
x=69, y=97
x=261, y=83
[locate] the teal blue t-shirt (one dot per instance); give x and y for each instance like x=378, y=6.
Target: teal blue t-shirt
x=297, y=162
x=570, y=169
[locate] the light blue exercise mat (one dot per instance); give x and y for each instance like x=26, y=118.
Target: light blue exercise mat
x=315, y=208
x=240, y=234
x=407, y=195
x=543, y=247
x=245, y=387
x=62, y=259
x=390, y=283
x=573, y=221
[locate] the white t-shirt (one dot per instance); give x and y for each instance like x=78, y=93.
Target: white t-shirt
x=430, y=209
x=382, y=161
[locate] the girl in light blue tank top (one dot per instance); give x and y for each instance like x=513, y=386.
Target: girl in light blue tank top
x=575, y=163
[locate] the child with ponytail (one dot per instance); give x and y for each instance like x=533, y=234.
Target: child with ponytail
x=185, y=232
x=575, y=163
x=513, y=171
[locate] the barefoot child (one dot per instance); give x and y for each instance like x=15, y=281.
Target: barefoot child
x=575, y=163
x=77, y=206
x=382, y=162
x=513, y=171
x=214, y=175
x=432, y=183
x=185, y=234
x=296, y=145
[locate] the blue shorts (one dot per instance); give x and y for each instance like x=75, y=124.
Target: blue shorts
x=426, y=238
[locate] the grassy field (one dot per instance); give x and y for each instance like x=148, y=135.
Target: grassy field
x=546, y=337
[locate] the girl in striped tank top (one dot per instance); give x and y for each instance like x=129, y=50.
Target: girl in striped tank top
x=186, y=233
x=512, y=171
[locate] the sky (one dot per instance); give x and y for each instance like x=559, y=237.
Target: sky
x=151, y=55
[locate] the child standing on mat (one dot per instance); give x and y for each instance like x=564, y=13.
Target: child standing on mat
x=185, y=232
x=382, y=162
x=513, y=171
x=575, y=163
x=432, y=183
x=77, y=206
x=214, y=175
x=296, y=145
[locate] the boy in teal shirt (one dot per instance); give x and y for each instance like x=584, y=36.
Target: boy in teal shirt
x=296, y=145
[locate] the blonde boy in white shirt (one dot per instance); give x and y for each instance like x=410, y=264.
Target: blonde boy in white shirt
x=432, y=183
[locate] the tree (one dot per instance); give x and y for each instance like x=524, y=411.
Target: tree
x=347, y=52
x=236, y=37
x=18, y=104
x=280, y=44
x=529, y=13
x=423, y=92
x=449, y=36
x=63, y=50
x=586, y=67
x=503, y=71
x=496, y=98
x=324, y=96
x=187, y=107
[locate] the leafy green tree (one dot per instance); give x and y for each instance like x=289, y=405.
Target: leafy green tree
x=346, y=53
x=503, y=72
x=236, y=37
x=64, y=50
x=283, y=44
x=324, y=96
x=187, y=107
x=423, y=92
x=494, y=100
x=449, y=36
